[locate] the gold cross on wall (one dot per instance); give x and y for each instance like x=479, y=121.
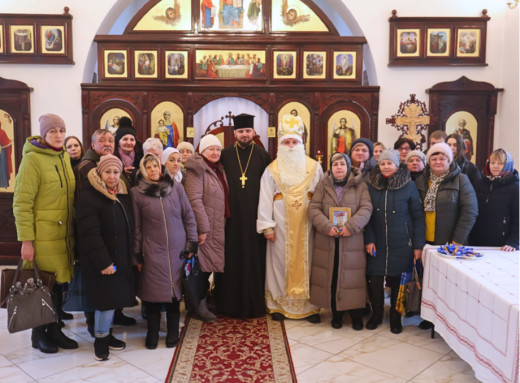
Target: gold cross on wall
x=411, y=119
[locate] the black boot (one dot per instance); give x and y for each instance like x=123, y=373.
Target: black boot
x=377, y=299
x=90, y=317
x=114, y=343
x=203, y=312
x=60, y=339
x=66, y=316
x=172, y=323
x=153, y=321
x=337, y=319
x=357, y=318
x=396, y=327
x=122, y=319
x=101, y=349
x=40, y=341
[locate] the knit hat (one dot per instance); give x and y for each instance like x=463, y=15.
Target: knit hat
x=167, y=153
x=125, y=127
x=416, y=153
x=365, y=141
x=441, y=147
x=209, y=140
x=390, y=154
x=185, y=145
x=49, y=121
x=108, y=160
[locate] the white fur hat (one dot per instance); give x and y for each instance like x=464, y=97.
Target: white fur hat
x=441, y=147
x=209, y=140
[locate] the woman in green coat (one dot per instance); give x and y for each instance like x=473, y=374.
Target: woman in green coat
x=43, y=209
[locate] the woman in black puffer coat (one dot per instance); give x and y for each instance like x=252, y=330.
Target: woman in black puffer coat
x=105, y=233
x=394, y=235
x=497, y=195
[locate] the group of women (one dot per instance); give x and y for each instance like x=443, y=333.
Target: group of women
x=145, y=210
x=405, y=200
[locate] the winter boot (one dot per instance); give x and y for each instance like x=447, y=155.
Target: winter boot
x=396, y=327
x=40, y=341
x=90, y=319
x=357, y=318
x=377, y=299
x=101, y=349
x=115, y=344
x=60, y=339
x=172, y=324
x=337, y=319
x=153, y=321
x=203, y=313
x=123, y=320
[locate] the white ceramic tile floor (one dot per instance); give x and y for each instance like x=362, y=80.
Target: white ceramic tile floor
x=320, y=354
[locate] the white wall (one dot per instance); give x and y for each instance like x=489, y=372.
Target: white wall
x=57, y=87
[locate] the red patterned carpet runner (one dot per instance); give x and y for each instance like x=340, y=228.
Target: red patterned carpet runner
x=232, y=351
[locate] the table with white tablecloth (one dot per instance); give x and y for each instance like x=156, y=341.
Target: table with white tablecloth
x=474, y=305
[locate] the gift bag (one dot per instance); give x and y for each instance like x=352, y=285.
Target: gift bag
x=29, y=305
x=193, y=283
x=413, y=292
x=25, y=274
x=76, y=297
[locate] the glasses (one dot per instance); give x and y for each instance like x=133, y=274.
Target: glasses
x=404, y=149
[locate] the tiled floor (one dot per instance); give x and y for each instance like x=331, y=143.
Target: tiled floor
x=320, y=354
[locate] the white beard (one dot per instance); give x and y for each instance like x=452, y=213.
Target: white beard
x=292, y=164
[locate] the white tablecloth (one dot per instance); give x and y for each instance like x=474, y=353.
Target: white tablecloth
x=474, y=306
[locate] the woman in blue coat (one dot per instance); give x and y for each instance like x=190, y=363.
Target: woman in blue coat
x=395, y=234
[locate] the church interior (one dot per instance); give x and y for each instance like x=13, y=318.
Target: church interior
x=381, y=70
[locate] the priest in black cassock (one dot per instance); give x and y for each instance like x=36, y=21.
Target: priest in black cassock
x=240, y=289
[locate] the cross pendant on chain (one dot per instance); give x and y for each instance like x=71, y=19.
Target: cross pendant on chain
x=243, y=179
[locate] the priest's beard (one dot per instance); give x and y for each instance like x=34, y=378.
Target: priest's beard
x=292, y=164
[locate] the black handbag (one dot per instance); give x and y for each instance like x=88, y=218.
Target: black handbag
x=413, y=292
x=29, y=305
x=193, y=283
x=76, y=296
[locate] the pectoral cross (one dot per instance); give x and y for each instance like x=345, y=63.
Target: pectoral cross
x=243, y=179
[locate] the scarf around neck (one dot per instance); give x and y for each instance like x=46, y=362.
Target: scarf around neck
x=430, y=200
x=127, y=159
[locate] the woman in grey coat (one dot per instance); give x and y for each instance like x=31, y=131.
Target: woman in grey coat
x=449, y=201
x=338, y=260
x=165, y=232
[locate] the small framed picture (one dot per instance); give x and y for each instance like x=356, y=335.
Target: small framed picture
x=116, y=63
x=344, y=65
x=22, y=39
x=145, y=63
x=409, y=42
x=284, y=64
x=468, y=42
x=315, y=65
x=339, y=216
x=2, y=39
x=52, y=39
x=176, y=64
x=438, y=43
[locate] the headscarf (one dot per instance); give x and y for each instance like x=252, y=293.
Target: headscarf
x=509, y=166
x=165, y=156
x=146, y=158
x=337, y=156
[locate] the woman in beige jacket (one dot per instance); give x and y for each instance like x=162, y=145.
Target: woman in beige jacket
x=338, y=260
x=207, y=190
